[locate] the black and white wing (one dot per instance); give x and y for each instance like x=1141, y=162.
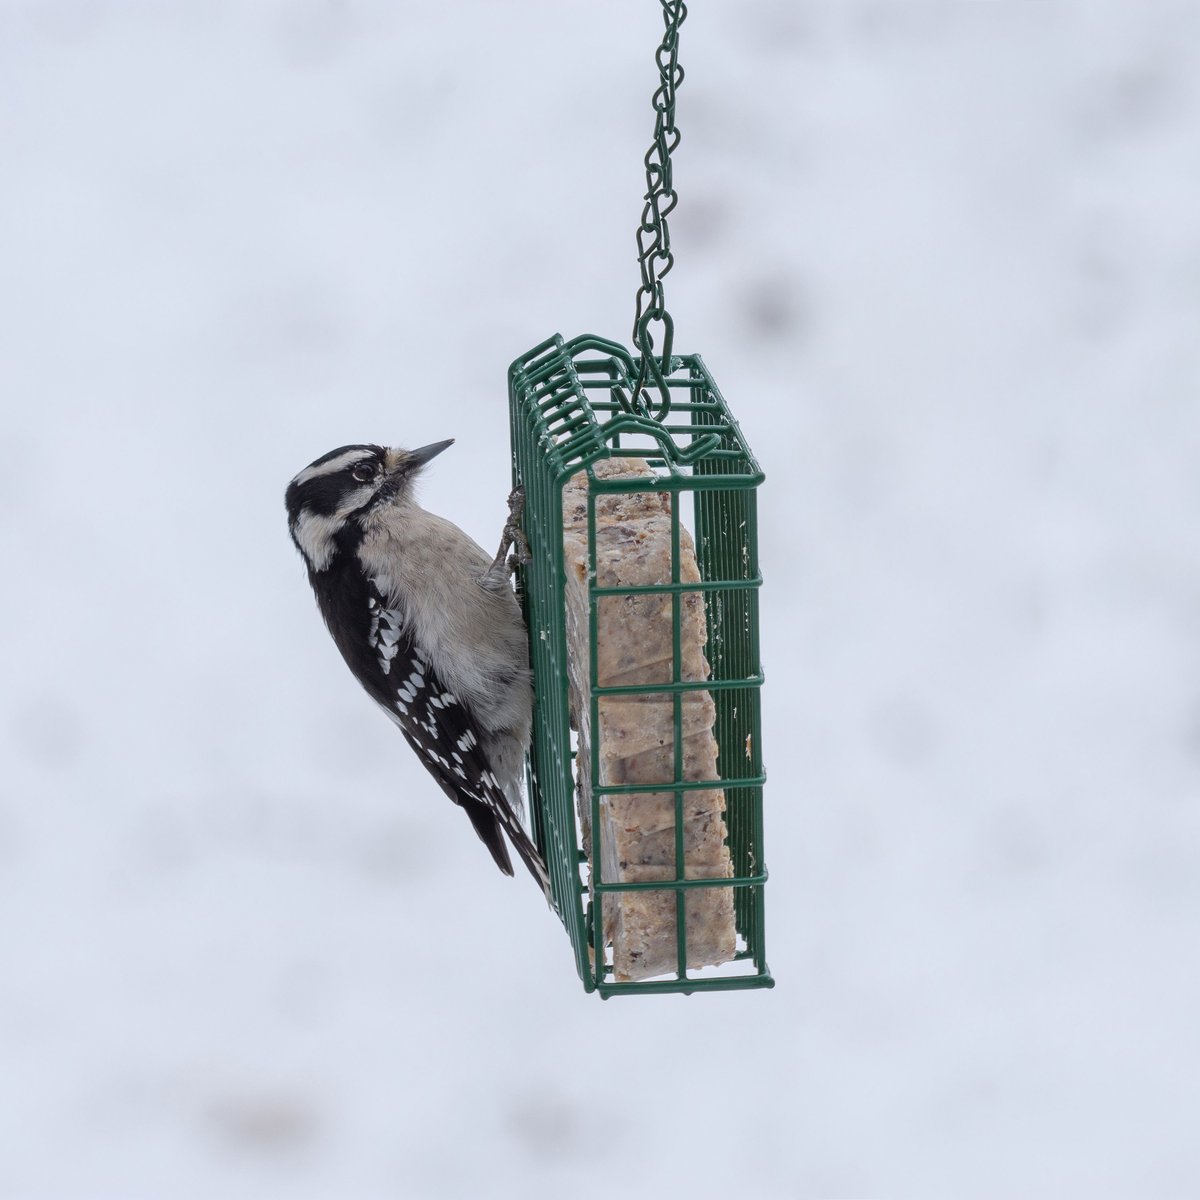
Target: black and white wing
x=441, y=730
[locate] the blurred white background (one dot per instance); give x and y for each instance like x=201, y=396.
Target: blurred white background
x=943, y=258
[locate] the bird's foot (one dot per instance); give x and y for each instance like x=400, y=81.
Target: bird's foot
x=513, y=532
x=511, y=538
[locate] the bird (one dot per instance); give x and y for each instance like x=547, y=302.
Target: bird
x=428, y=625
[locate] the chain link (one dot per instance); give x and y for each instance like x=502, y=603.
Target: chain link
x=653, y=236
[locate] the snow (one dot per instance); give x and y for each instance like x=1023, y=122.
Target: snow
x=944, y=262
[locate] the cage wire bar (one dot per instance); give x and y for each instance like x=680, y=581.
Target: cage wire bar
x=573, y=404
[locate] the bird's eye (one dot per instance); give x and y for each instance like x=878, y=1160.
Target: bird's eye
x=363, y=472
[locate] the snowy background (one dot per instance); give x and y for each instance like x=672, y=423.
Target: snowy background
x=943, y=258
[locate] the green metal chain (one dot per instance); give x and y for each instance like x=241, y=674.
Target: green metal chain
x=653, y=236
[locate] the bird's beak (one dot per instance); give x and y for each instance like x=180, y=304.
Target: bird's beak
x=418, y=458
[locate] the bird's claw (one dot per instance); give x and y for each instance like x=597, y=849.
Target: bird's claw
x=512, y=538
x=521, y=556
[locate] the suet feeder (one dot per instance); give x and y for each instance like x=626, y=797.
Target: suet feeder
x=575, y=425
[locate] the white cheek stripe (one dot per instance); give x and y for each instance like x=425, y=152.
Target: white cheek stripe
x=314, y=534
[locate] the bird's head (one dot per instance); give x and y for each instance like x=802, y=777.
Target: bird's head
x=339, y=490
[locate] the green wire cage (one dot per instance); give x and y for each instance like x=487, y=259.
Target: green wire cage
x=582, y=427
